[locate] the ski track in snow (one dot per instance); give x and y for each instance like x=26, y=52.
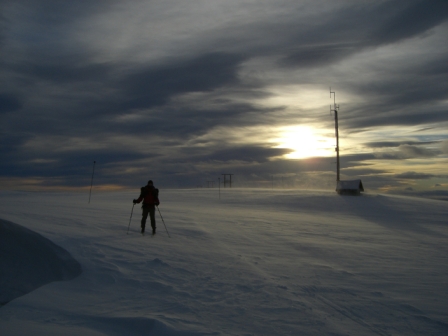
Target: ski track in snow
x=255, y=262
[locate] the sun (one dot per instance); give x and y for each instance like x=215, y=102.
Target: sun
x=305, y=142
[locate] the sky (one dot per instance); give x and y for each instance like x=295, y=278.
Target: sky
x=182, y=92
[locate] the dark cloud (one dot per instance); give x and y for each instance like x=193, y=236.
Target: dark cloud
x=45, y=15
x=9, y=103
x=417, y=176
x=406, y=152
x=414, y=176
x=350, y=160
x=93, y=107
x=410, y=19
x=388, y=117
x=47, y=163
x=362, y=171
x=409, y=95
x=413, y=151
x=155, y=85
x=318, y=55
x=389, y=144
x=245, y=153
x=354, y=28
x=416, y=86
x=60, y=71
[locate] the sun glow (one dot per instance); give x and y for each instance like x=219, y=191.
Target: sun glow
x=305, y=142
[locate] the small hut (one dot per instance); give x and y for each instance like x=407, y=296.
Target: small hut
x=351, y=187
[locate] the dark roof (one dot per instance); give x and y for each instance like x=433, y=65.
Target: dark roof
x=355, y=185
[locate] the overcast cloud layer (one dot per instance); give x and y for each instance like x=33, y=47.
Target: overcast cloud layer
x=183, y=91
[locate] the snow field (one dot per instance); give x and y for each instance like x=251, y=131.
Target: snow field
x=255, y=262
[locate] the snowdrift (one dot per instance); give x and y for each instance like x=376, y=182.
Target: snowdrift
x=29, y=261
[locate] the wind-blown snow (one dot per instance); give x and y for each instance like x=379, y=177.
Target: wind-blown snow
x=255, y=262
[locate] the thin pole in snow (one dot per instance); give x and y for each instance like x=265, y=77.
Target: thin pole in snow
x=130, y=218
x=91, y=182
x=163, y=222
x=219, y=187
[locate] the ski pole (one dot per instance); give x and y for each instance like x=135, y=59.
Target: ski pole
x=163, y=222
x=130, y=218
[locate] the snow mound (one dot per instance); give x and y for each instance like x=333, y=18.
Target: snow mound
x=29, y=261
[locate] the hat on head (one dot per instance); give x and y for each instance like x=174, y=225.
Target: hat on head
x=150, y=182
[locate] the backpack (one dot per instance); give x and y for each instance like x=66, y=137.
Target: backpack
x=155, y=193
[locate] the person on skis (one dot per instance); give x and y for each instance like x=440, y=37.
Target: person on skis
x=150, y=197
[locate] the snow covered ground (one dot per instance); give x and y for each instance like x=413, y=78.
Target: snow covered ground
x=255, y=262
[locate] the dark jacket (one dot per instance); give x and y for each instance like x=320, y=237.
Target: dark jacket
x=149, y=195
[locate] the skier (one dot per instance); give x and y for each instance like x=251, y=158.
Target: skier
x=150, y=197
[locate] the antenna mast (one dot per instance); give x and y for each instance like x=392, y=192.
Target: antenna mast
x=335, y=110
